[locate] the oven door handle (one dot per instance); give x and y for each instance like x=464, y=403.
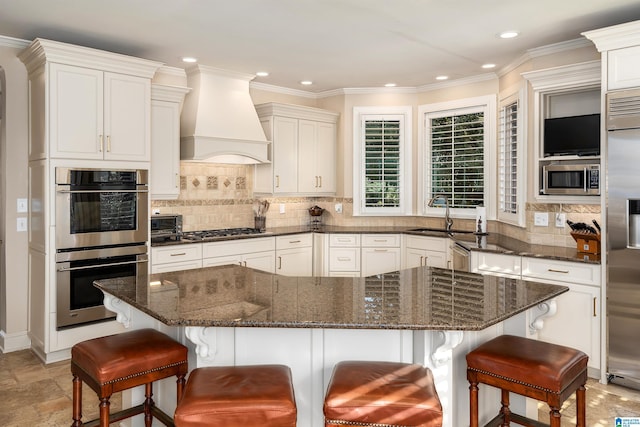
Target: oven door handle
x=101, y=191
x=102, y=265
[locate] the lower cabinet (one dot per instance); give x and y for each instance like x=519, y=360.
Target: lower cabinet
x=258, y=253
x=380, y=253
x=294, y=255
x=426, y=251
x=496, y=264
x=176, y=257
x=344, y=255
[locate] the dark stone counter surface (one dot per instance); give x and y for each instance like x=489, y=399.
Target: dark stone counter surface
x=422, y=298
x=492, y=242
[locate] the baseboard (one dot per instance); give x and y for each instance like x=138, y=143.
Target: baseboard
x=14, y=342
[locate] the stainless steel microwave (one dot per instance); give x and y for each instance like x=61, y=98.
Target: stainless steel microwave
x=571, y=179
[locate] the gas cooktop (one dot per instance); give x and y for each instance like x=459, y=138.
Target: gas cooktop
x=222, y=232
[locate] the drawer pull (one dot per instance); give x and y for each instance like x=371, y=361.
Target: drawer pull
x=344, y=240
x=179, y=254
x=594, y=306
x=380, y=250
x=343, y=258
x=380, y=240
x=551, y=270
x=294, y=241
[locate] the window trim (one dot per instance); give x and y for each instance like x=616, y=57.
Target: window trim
x=487, y=104
x=511, y=95
x=359, y=115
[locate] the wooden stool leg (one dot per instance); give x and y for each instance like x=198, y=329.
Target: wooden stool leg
x=581, y=402
x=148, y=404
x=473, y=398
x=180, y=386
x=77, y=402
x=104, y=411
x=505, y=411
x=554, y=417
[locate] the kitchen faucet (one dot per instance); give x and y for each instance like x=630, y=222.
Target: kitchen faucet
x=447, y=219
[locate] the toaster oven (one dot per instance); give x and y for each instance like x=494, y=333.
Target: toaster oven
x=166, y=227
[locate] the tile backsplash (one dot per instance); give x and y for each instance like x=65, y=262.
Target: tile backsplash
x=221, y=196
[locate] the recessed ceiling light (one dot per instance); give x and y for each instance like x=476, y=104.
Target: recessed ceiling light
x=486, y=66
x=508, y=34
x=390, y=85
x=189, y=59
x=262, y=74
x=442, y=77
x=306, y=82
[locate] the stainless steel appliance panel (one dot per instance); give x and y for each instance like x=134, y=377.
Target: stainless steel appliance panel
x=623, y=255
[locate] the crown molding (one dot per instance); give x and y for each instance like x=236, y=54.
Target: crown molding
x=12, y=42
x=169, y=93
x=283, y=90
x=574, y=75
x=458, y=82
x=616, y=36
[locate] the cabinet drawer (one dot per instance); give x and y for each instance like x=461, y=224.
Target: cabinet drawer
x=294, y=241
x=560, y=271
x=236, y=247
x=438, y=244
x=344, y=240
x=176, y=253
x=496, y=264
x=381, y=240
x=176, y=266
x=344, y=259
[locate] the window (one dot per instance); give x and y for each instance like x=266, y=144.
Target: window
x=382, y=176
x=457, y=139
x=511, y=161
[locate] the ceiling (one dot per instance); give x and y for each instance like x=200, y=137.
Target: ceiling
x=334, y=43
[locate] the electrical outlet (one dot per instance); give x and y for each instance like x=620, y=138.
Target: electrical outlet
x=560, y=220
x=155, y=211
x=338, y=207
x=541, y=219
x=281, y=208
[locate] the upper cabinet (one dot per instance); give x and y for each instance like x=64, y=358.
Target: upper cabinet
x=88, y=104
x=303, y=151
x=620, y=47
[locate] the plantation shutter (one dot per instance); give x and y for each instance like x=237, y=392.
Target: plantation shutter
x=382, y=140
x=508, y=159
x=457, y=159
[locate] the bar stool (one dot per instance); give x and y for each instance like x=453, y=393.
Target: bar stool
x=388, y=394
x=118, y=362
x=238, y=396
x=539, y=370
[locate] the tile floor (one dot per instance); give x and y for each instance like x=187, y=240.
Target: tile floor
x=33, y=394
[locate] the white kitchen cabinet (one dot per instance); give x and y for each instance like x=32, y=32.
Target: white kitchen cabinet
x=164, y=174
x=294, y=255
x=577, y=321
x=98, y=115
x=258, y=253
x=303, y=152
x=380, y=253
x=176, y=257
x=425, y=251
x=344, y=255
x=496, y=264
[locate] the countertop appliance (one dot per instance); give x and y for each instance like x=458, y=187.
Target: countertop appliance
x=623, y=236
x=165, y=227
x=579, y=179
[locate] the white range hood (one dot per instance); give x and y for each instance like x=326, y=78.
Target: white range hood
x=219, y=123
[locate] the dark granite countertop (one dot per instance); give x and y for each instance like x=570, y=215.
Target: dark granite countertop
x=491, y=242
x=423, y=298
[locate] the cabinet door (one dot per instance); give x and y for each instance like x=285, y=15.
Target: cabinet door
x=316, y=157
x=127, y=117
x=222, y=260
x=285, y=155
x=414, y=258
x=325, y=155
x=295, y=262
x=379, y=260
x=76, y=112
x=165, y=150
x=264, y=261
x=577, y=322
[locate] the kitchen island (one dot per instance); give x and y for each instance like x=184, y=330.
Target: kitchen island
x=236, y=315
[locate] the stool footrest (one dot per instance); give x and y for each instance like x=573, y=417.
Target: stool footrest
x=158, y=413
x=515, y=418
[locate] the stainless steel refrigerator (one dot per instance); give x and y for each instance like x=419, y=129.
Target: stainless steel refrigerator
x=623, y=236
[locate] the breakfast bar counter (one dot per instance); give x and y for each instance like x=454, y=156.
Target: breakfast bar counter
x=233, y=315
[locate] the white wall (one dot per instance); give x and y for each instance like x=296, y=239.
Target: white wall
x=13, y=166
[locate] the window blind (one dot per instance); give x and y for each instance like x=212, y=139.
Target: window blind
x=382, y=163
x=457, y=159
x=508, y=159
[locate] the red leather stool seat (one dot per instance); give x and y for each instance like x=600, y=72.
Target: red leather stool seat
x=238, y=396
x=536, y=369
x=374, y=393
x=119, y=362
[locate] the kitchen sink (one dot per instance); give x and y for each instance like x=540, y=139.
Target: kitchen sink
x=441, y=230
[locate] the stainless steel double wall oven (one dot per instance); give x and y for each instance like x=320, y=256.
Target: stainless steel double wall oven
x=101, y=232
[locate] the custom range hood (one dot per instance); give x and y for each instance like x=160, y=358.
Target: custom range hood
x=219, y=123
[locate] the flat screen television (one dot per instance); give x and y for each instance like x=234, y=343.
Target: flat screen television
x=575, y=135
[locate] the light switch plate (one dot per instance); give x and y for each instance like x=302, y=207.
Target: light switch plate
x=560, y=220
x=21, y=224
x=22, y=207
x=282, y=208
x=541, y=219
